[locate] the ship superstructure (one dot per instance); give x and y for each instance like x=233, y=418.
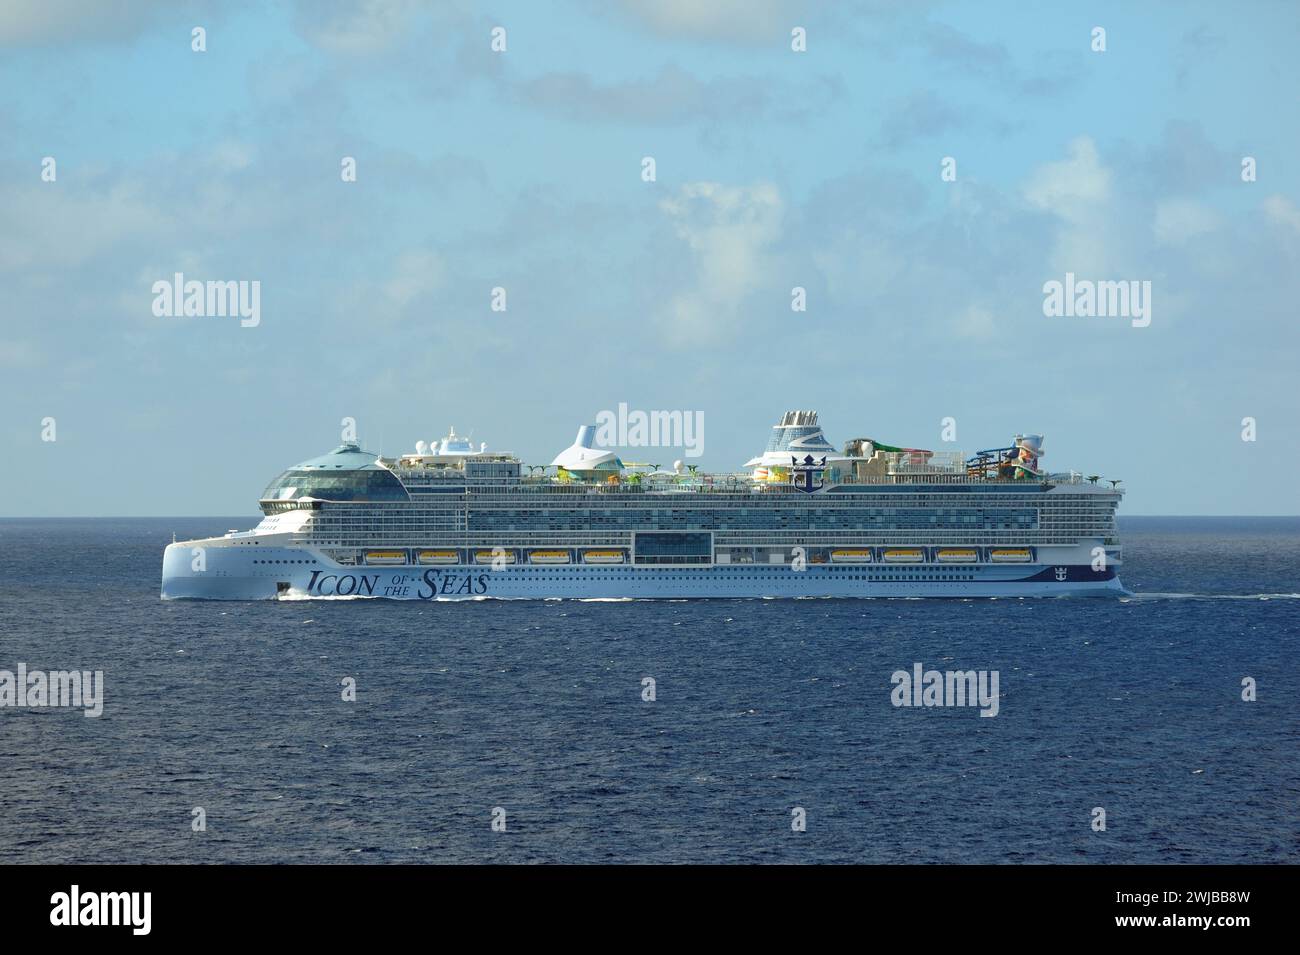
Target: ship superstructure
x=803, y=519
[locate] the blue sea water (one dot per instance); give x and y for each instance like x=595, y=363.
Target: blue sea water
x=1133, y=705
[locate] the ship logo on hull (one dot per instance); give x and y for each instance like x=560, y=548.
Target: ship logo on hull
x=1062, y=573
x=427, y=586
x=804, y=475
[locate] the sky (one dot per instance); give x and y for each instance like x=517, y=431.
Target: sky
x=523, y=169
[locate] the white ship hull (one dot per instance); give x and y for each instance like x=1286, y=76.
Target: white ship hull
x=267, y=573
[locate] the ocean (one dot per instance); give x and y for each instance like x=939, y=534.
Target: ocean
x=532, y=714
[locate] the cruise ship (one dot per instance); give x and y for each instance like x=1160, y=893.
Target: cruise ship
x=452, y=521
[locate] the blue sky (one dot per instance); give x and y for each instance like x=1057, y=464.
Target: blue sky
x=522, y=169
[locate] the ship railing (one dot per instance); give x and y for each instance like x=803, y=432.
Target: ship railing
x=746, y=483
x=841, y=473
x=924, y=462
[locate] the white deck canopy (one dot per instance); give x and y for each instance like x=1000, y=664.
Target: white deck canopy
x=581, y=456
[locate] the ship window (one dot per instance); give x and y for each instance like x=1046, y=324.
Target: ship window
x=672, y=548
x=374, y=484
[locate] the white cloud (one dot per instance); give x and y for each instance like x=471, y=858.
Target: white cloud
x=714, y=19
x=673, y=95
x=852, y=263
x=728, y=230
x=1177, y=220
x=417, y=272
x=39, y=22
x=1282, y=211
x=44, y=226
x=355, y=28
x=975, y=322
x=1077, y=191
x=14, y=354
x=388, y=300
x=231, y=155
x=1071, y=188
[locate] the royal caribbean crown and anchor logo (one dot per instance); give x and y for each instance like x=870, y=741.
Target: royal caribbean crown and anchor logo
x=806, y=475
